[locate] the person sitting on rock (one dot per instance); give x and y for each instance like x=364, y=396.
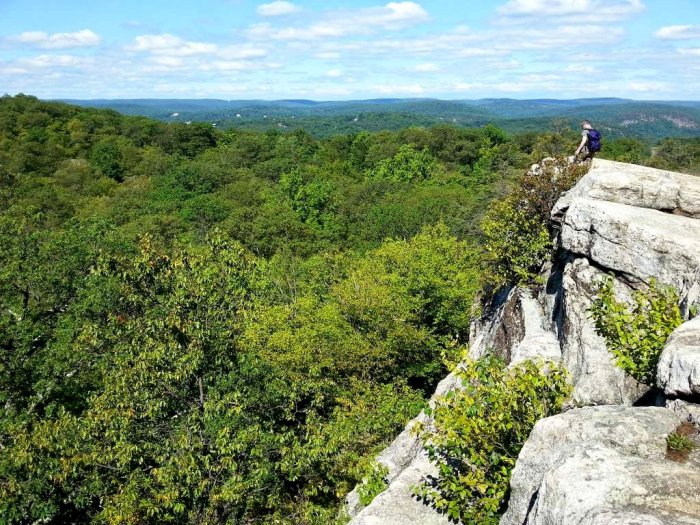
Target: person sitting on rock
x=590, y=142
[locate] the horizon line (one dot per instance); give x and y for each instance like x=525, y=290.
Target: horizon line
x=369, y=99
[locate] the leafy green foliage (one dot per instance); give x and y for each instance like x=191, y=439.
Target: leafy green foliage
x=636, y=334
x=373, y=484
x=680, y=154
x=629, y=150
x=207, y=327
x=679, y=442
x=516, y=242
x=516, y=228
x=408, y=165
x=194, y=387
x=479, y=431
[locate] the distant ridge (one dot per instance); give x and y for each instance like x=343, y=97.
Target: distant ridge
x=616, y=117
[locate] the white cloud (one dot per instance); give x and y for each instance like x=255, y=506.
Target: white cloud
x=647, y=86
x=242, y=52
x=329, y=91
x=568, y=36
x=227, y=65
x=166, y=52
x=395, y=15
x=43, y=61
x=478, y=52
x=692, y=51
x=579, y=68
x=13, y=70
x=167, y=61
x=166, y=44
x=82, y=38
x=428, y=67
x=581, y=10
x=337, y=23
x=481, y=46
x=334, y=73
x=328, y=55
x=394, y=89
x=277, y=8
x=525, y=84
x=678, y=32
x=467, y=86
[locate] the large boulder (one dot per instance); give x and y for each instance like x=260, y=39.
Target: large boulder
x=516, y=329
x=538, y=341
x=596, y=378
x=679, y=367
x=637, y=186
x=600, y=465
x=500, y=329
x=688, y=411
x=603, y=464
x=640, y=243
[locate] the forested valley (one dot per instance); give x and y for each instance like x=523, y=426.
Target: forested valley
x=200, y=326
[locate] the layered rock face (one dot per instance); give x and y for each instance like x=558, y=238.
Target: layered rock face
x=603, y=464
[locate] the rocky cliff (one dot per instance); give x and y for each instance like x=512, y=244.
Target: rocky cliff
x=603, y=460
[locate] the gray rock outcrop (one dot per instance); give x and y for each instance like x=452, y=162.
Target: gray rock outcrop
x=396, y=505
x=603, y=465
x=640, y=243
x=688, y=411
x=517, y=330
x=405, y=459
x=637, y=186
x=595, y=377
x=679, y=367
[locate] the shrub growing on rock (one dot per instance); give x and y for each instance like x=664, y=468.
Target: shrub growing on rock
x=373, y=484
x=479, y=431
x=517, y=228
x=636, y=334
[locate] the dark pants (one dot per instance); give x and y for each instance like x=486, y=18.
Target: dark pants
x=585, y=154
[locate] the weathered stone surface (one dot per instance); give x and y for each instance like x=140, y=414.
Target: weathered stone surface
x=500, y=329
x=637, y=186
x=596, y=378
x=397, y=506
x=404, y=450
x=597, y=465
x=605, y=464
x=516, y=330
x=396, y=457
x=641, y=243
x=538, y=342
x=679, y=367
x=580, y=491
x=690, y=412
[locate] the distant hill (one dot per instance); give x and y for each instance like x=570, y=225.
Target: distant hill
x=647, y=120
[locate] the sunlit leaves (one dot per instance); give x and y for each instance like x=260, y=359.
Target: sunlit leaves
x=480, y=429
x=636, y=333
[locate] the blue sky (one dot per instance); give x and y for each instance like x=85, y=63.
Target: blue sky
x=240, y=49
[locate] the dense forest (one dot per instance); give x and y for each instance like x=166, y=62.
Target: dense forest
x=203, y=326
x=648, y=121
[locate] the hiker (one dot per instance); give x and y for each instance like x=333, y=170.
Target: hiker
x=590, y=142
